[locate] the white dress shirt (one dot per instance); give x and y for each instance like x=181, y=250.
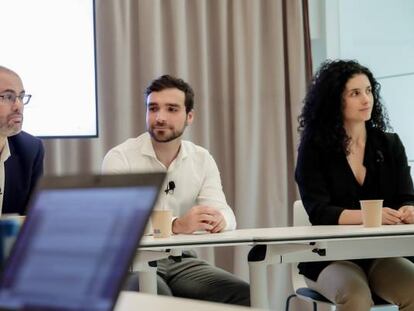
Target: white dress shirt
x=4, y=155
x=194, y=173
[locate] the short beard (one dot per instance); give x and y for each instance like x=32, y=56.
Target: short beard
x=8, y=132
x=174, y=135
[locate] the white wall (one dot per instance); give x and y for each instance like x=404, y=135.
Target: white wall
x=379, y=34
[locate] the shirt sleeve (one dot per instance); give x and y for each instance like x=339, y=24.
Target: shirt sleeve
x=313, y=187
x=38, y=163
x=405, y=189
x=37, y=170
x=211, y=193
x=115, y=163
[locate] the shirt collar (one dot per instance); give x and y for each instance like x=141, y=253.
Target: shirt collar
x=5, y=153
x=148, y=149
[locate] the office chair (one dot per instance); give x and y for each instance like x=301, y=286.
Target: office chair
x=300, y=218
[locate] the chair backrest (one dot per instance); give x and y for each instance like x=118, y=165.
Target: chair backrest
x=300, y=217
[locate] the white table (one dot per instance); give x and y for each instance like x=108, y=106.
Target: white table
x=321, y=243
x=227, y=238
x=290, y=245
x=129, y=301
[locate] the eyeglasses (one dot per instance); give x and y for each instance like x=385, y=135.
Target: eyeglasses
x=11, y=98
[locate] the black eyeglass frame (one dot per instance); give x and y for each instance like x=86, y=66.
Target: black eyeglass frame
x=11, y=98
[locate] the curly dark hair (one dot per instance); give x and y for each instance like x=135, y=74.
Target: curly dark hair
x=171, y=82
x=321, y=120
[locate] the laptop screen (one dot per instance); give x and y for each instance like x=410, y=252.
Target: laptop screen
x=77, y=241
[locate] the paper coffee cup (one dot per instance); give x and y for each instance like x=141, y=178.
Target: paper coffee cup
x=371, y=212
x=148, y=228
x=161, y=223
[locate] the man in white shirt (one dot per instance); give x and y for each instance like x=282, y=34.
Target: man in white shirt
x=197, y=200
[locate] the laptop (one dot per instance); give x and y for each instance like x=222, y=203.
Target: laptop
x=77, y=242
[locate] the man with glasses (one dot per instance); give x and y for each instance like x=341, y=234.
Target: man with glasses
x=21, y=154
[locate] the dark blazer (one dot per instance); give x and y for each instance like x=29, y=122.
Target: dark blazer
x=327, y=184
x=22, y=171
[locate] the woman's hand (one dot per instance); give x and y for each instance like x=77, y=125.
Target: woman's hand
x=391, y=216
x=407, y=214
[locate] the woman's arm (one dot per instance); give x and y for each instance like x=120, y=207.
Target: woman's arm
x=404, y=187
x=311, y=178
x=354, y=217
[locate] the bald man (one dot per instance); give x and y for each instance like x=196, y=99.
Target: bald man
x=21, y=154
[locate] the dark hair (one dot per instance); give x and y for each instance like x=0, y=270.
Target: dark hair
x=321, y=120
x=170, y=82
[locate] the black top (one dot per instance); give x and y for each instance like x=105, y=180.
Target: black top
x=327, y=184
x=22, y=170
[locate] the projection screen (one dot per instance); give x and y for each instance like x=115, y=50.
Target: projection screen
x=51, y=45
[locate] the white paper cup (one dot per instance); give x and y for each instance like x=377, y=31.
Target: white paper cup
x=161, y=223
x=148, y=228
x=371, y=213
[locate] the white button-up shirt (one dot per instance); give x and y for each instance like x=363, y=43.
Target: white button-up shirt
x=4, y=155
x=194, y=173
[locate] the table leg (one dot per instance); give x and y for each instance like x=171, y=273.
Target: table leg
x=259, y=258
x=148, y=279
x=258, y=285
x=258, y=277
x=146, y=265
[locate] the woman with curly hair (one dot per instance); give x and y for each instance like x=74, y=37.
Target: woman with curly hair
x=346, y=154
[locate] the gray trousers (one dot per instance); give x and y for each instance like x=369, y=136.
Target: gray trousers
x=349, y=287
x=196, y=279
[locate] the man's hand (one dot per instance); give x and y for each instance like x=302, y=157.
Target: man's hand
x=199, y=217
x=407, y=214
x=391, y=216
